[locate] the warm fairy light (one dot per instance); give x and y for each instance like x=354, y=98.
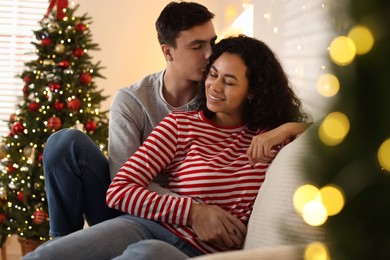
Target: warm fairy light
x=314, y=213
x=328, y=85
x=342, y=50
x=333, y=199
x=316, y=251
x=334, y=128
x=384, y=155
x=230, y=13
x=303, y=195
x=362, y=37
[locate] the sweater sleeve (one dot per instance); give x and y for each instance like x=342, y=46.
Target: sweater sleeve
x=128, y=191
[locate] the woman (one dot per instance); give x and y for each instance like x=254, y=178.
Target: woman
x=203, y=153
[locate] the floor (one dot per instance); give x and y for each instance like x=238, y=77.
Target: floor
x=13, y=249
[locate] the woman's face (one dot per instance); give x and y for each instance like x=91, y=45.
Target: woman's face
x=227, y=89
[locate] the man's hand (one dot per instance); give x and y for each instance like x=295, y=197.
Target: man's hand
x=262, y=146
x=215, y=225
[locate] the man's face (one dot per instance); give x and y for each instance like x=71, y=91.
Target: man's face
x=193, y=49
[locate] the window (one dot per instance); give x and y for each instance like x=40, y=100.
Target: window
x=18, y=19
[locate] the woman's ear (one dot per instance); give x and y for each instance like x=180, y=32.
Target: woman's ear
x=166, y=49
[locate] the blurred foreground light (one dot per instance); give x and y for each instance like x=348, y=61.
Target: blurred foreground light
x=334, y=128
x=342, y=50
x=384, y=155
x=328, y=85
x=305, y=194
x=314, y=213
x=363, y=39
x=333, y=199
x=316, y=251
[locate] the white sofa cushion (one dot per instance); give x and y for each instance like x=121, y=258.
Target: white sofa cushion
x=274, y=221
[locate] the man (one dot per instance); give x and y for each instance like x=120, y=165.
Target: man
x=77, y=173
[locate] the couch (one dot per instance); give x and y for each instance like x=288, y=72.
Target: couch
x=275, y=230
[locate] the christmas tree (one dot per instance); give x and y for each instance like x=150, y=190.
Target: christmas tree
x=353, y=140
x=58, y=92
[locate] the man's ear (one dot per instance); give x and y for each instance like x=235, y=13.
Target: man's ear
x=166, y=49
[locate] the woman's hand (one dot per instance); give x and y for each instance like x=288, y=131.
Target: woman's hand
x=261, y=148
x=215, y=225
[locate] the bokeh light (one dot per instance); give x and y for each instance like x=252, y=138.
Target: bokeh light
x=305, y=194
x=384, y=155
x=363, y=39
x=328, y=85
x=316, y=251
x=334, y=128
x=333, y=199
x=230, y=13
x=314, y=213
x=342, y=50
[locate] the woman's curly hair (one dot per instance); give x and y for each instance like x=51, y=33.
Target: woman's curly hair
x=273, y=102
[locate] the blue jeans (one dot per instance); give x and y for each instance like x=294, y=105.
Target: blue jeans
x=77, y=177
x=124, y=237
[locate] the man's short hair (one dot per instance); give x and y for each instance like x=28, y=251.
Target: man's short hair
x=180, y=16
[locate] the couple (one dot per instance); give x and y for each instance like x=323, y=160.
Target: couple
x=245, y=92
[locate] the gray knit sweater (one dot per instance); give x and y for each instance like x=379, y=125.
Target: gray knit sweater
x=134, y=113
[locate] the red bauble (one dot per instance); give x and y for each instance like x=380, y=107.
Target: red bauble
x=20, y=196
x=90, y=126
x=54, y=123
x=46, y=42
x=33, y=106
x=17, y=128
x=58, y=106
x=40, y=157
x=10, y=168
x=3, y=219
x=12, y=117
x=54, y=87
x=27, y=79
x=80, y=27
x=40, y=216
x=64, y=64
x=85, y=78
x=73, y=104
x=78, y=52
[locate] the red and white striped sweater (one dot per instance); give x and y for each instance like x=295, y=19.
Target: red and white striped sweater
x=204, y=163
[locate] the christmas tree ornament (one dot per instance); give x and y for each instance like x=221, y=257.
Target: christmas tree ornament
x=27, y=151
x=26, y=79
x=54, y=87
x=20, y=196
x=90, y=126
x=3, y=193
x=78, y=52
x=73, y=104
x=45, y=42
x=54, y=123
x=48, y=62
x=3, y=218
x=85, y=78
x=64, y=64
x=3, y=152
x=58, y=106
x=17, y=128
x=12, y=117
x=33, y=106
x=80, y=27
x=40, y=216
x=59, y=48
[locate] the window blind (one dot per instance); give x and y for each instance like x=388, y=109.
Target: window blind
x=18, y=19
